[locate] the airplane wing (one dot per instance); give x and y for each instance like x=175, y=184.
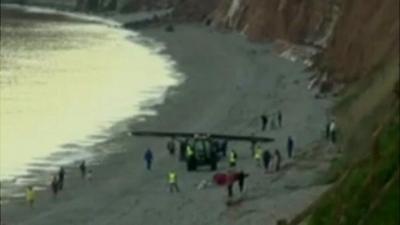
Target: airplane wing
x=210, y=135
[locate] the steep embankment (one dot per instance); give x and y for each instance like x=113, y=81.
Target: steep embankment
x=296, y=21
x=360, y=43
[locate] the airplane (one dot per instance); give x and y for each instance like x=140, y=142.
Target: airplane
x=208, y=148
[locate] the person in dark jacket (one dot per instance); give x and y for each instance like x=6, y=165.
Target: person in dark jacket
x=266, y=159
x=278, y=157
x=171, y=147
x=290, y=146
x=182, y=149
x=224, y=147
x=241, y=176
x=264, y=122
x=61, y=175
x=82, y=168
x=148, y=157
x=280, y=119
x=54, y=185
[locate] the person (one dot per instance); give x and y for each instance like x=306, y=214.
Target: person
x=231, y=177
x=264, y=122
x=30, y=196
x=266, y=159
x=61, y=175
x=327, y=131
x=82, y=168
x=278, y=157
x=258, y=155
x=232, y=158
x=171, y=147
x=173, y=182
x=182, y=149
x=290, y=146
x=54, y=185
x=280, y=119
x=190, y=158
x=332, y=131
x=230, y=190
x=148, y=157
x=241, y=176
x=224, y=147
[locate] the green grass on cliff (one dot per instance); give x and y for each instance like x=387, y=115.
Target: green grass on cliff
x=369, y=194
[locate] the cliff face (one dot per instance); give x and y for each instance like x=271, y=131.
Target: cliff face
x=296, y=21
x=366, y=35
x=358, y=35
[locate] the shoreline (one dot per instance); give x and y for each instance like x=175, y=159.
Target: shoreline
x=217, y=109
x=37, y=172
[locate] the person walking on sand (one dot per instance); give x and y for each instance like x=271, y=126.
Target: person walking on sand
x=224, y=147
x=258, y=155
x=61, y=175
x=241, y=176
x=264, y=122
x=182, y=149
x=332, y=131
x=148, y=157
x=232, y=158
x=290, y=146
x=171, y=147
x=54, y=186
x=30, y=196
x=231, y=177
x=327, y=131
x=278, y=157
x=173, y=182
x=280, y=119
x=82, y=169
x=266, y=159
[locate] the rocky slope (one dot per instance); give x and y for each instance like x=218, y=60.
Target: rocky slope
x=358, y=35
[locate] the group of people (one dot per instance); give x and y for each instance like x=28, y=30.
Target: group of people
x=265, y=158
x=172, y=175
x=272, y=120
x=57, y=182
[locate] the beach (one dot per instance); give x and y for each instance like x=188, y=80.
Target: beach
x=229, y=83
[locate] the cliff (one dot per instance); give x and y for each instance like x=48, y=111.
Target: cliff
x=358, y=35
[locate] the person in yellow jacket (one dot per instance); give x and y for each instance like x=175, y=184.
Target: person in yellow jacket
x=189, y=152
x=173, y=182
x=258, y=155
x=232, y=158
x=30, y=196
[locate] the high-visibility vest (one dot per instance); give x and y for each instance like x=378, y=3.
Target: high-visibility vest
x=232, y=157
x=258, y=153
x=189, y=151
x=172, y=177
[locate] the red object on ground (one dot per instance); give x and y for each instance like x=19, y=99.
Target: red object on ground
x=220, y=179
x=223, y=179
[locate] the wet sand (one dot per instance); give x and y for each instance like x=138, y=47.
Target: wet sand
x=229, y=84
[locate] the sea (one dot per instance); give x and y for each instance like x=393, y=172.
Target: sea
x=65, y=80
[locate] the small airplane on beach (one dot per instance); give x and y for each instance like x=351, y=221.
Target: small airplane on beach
x=208, y=148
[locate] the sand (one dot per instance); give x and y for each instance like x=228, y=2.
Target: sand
x=229, y=83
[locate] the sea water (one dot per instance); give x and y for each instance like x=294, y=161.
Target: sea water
x=64, y=79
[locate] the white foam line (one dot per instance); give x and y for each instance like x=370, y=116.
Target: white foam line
x=77, y=15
